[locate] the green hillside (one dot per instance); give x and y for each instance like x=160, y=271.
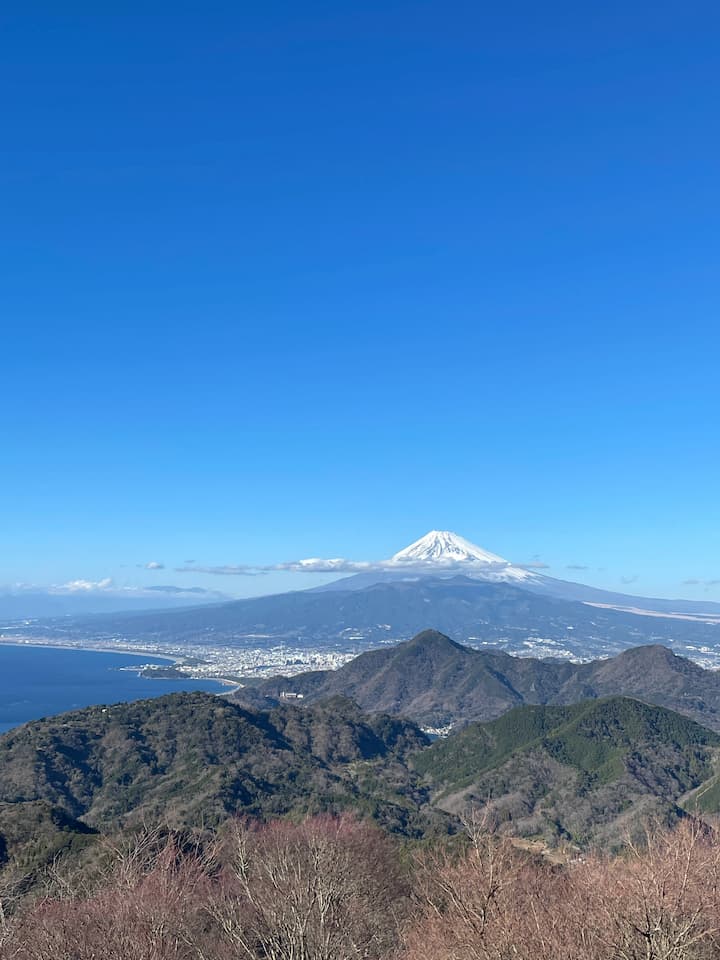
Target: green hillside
x=583, y=772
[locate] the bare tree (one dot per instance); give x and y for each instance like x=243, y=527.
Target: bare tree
x=332, y=889
x=657, y=901
x=148, y=909
x=468, y=904
x=661, y=901
x=326, y=889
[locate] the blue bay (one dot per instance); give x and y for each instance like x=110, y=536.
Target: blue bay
x=40, y=682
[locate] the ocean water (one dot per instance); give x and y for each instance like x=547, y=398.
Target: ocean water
x=39, y=682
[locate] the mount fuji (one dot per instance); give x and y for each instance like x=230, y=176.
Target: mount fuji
x=440, y=553
x=444, y=554
x=441, y=581
x=440, y=546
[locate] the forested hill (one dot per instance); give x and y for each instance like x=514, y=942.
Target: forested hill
x=581, y=773
x=194, y=758
x=588, y=773
x=436, y=681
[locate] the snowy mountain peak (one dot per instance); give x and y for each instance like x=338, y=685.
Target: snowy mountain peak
x=442, y=548
x=442, y=545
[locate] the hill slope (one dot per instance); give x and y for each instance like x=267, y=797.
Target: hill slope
x=191, y=759
x=584, y=773
x=580, y=772
x=435, y=681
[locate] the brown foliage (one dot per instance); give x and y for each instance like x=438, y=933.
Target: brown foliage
x=327, y=889
x=331, y=889
x=324, y=889
x=490, y=904
x=658, y=902
x=661, y=902
x=147, y=910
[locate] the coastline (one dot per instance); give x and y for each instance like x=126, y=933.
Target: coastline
x=48, y=645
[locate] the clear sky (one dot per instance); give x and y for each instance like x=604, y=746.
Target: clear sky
x=286, y=279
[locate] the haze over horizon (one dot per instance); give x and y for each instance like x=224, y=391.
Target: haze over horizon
x=309, y=281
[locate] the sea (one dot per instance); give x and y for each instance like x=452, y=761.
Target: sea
x=41, y=681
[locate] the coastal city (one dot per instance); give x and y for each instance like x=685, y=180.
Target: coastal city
x=229, y=665
x=243, y=659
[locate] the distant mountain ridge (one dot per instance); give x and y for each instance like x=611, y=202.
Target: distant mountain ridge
x=442, y=580
x=435, y=681
x=504, y=616
x=442, y=552
x=35, y=603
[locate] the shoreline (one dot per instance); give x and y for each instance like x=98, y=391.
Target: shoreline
x=47, y=645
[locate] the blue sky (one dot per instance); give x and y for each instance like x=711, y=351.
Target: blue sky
x=283, y=280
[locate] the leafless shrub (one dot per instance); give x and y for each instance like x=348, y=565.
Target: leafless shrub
x=468, y=906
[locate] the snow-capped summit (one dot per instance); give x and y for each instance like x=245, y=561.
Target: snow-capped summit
x=444, y=545
x=439, y=554
x=442, y=548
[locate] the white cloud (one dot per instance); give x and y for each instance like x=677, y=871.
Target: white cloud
x=84, y=586
x=154, y=565
x=227, y=571
x=334, y=565
x=108, y=588
x=340, y=565
x=310, y=565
